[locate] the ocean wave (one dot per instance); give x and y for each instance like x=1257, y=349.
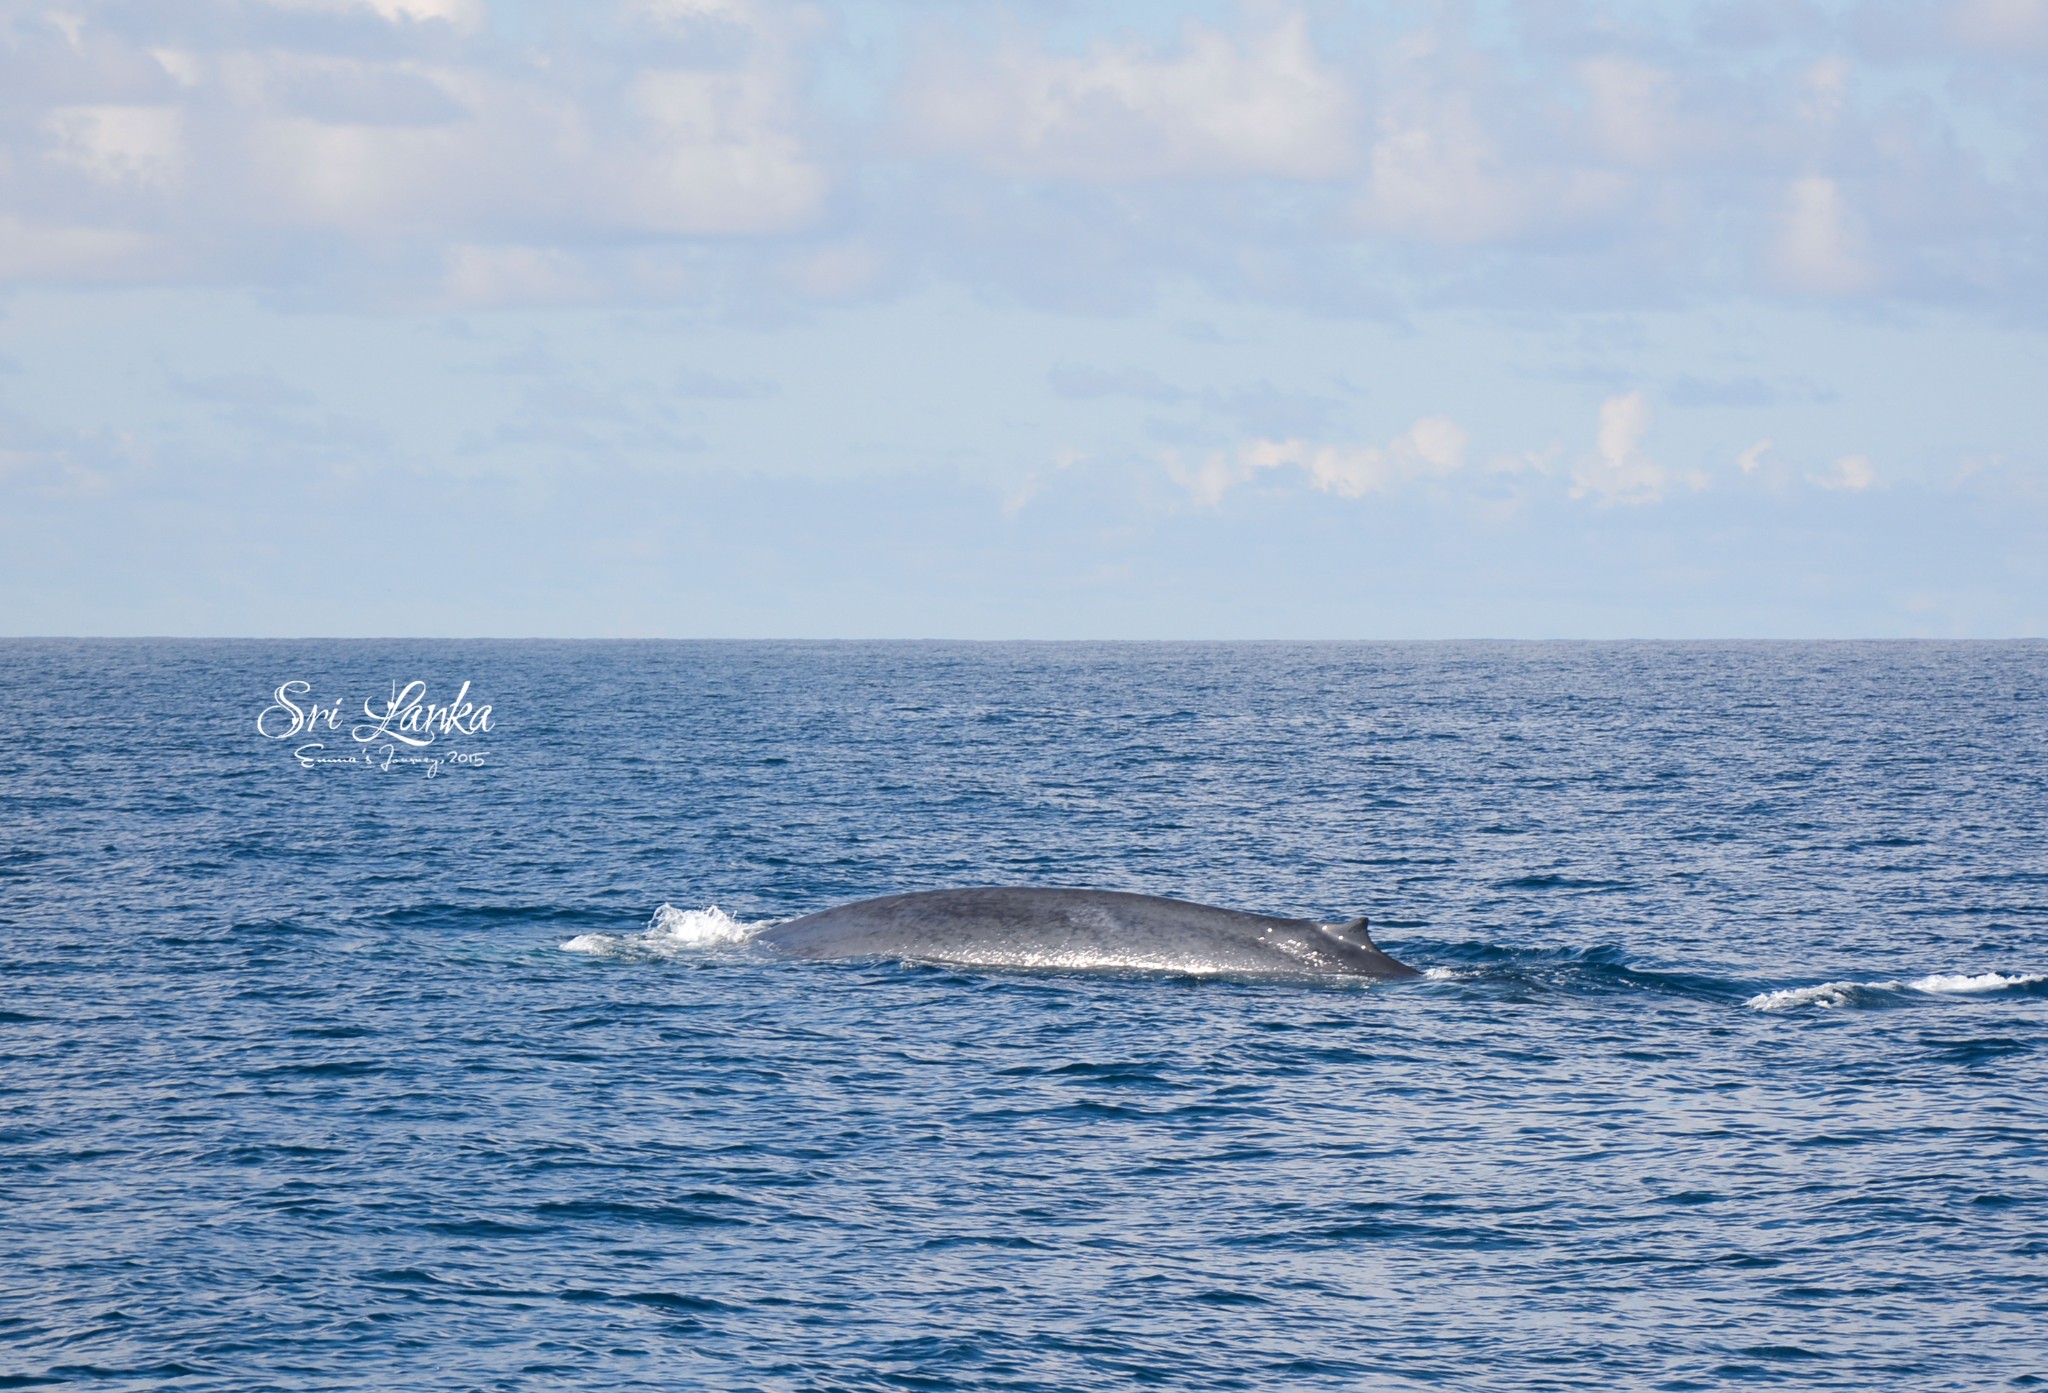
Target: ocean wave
x=671, y=933
x=1838, y=994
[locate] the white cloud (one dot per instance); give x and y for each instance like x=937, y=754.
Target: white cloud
x=1434, y=446
x=1460, y=156
x=1752, y=459
x=484, y=277
x=719, y=155
x=1633, y=109
x=32, y=252
x=2001, y=23
x=1068, y=159
x=513, y=158
x=1619, y=471
x=462, y=14
x=1064, y=459
x=1208, y=481
x=1262, y=104
x=186, y=68
x=1436, y=171
x=422, y=161
x=70, y=24
x=1540, y=462
x=1827, y=88
x=1430, y=449
x=1821, y=246
x=688, y=12
x=692, y=154
x=1851, y=474
x=143, y=145
x=834, y=272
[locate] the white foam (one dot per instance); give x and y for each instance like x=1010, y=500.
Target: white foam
x=1833, y=994
x=1826, y=994
x=671, y=933
x=1982, y=982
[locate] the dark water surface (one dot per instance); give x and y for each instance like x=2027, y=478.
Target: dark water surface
x=1730, y=1069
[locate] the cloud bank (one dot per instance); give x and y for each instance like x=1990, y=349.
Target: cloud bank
x=430, y=153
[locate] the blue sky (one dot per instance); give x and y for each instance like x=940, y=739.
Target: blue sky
x=705, y=317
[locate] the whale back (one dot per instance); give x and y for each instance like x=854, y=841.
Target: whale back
x=1059, y=928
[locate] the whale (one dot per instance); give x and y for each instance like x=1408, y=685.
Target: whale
x=1047, y=927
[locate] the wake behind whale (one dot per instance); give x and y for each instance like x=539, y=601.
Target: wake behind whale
x=1080, y=929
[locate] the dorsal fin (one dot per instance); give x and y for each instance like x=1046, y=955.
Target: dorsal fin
x=1354, y=929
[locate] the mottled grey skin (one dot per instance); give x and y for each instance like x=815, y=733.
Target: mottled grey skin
x=997, y=927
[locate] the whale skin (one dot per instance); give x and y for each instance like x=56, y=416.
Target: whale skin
x=1043, y=927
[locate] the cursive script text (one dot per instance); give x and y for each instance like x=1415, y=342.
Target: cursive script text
x=411, y=719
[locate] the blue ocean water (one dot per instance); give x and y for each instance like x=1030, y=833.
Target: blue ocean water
x=1729, y=1068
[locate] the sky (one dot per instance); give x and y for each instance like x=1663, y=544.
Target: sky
x=714, y=318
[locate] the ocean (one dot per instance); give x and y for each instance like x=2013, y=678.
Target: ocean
x=330, y=1062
